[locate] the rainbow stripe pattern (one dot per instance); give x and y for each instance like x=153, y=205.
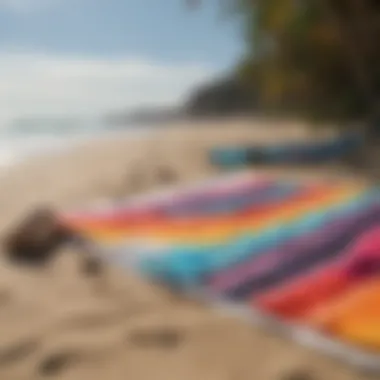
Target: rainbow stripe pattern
x=305, y=252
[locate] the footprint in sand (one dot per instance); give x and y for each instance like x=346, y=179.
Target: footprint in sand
x=164, y=337
x=56, y=363
x=92, y=267
x=19, y=351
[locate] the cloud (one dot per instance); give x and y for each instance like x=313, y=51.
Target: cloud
x=36, y=85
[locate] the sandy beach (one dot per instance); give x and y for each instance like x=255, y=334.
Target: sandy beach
x=57, y=323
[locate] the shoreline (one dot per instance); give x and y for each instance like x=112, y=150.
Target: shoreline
x=36, y=145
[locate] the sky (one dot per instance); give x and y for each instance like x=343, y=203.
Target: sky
x=88, y=57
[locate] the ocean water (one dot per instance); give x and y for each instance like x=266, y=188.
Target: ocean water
x=18, y=144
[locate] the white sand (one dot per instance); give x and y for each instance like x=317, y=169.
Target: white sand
x=95, y=324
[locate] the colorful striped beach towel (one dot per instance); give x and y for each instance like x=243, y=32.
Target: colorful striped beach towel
x=302, y=256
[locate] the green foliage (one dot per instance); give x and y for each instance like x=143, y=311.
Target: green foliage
x=297, y=57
